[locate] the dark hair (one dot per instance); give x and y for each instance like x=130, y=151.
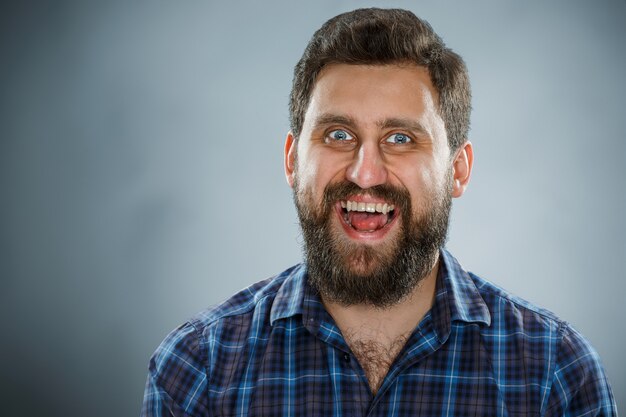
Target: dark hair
x=385, y=36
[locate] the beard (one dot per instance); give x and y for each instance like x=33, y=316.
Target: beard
x=380, y=275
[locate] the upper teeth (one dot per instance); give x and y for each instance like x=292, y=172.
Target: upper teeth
x=368, y=207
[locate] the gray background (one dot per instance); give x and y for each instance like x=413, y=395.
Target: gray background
x=141, y=174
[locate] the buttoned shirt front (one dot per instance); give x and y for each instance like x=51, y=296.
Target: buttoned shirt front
x=273, y=350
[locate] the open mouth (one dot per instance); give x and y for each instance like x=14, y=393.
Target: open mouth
x=367, y=217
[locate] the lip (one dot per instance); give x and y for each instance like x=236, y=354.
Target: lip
x=364, y=236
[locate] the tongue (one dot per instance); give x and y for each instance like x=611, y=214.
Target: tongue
x=364, y=222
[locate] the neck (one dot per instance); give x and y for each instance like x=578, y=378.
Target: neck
x=393, y=320
x=376, y=335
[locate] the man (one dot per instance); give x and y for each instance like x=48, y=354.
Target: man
x=380, y=319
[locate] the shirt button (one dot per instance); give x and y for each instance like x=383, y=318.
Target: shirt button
x=346, y=357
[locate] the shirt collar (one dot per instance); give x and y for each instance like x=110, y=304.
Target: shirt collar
x=457, y=297
x=289, y=299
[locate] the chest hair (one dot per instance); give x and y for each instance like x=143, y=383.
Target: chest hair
x=376, y=357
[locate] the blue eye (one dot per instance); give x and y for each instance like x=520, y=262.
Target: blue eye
x=339, y=135
x=398, y=138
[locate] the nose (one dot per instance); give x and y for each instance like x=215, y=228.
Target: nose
x=367, y=168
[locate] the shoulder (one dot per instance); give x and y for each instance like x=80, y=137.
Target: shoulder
x=255, y=299
x=514, y=316
x=221, y=323
x=511, y=312
x=180, y=368
x=501, y=301
x=560, y=359
x=258, y=296
x=580, y=385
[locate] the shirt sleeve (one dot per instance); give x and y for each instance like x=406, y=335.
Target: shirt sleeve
x=177, y=377
x=580, y=386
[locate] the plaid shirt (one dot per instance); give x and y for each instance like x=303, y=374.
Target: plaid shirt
x=273, y=350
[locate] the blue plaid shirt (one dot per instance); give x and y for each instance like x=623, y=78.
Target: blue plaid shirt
x=273, y=350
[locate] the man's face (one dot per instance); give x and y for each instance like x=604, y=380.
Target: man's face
x=373, y=178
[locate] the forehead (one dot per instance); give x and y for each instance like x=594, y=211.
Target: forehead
x=370, y=93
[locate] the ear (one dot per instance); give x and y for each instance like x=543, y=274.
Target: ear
x=290, y=157
x=462, y=168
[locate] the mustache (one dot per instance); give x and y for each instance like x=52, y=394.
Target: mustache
x=342, y=190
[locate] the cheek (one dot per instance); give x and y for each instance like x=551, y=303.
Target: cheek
x=433, y=170
x=415, y=174
x=318, y=169
x=308, y=184
x=424, y=183
x=306, y=175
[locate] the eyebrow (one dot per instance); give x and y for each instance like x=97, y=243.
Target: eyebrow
x=390, y=123
x=407, y=124
x=331, y=119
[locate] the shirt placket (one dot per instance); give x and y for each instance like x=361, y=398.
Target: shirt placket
x=351, y=394
x=422, y=343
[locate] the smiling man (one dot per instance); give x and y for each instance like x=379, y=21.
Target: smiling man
x=380, y=320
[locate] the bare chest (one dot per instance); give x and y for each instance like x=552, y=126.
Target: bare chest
x=375, y=357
